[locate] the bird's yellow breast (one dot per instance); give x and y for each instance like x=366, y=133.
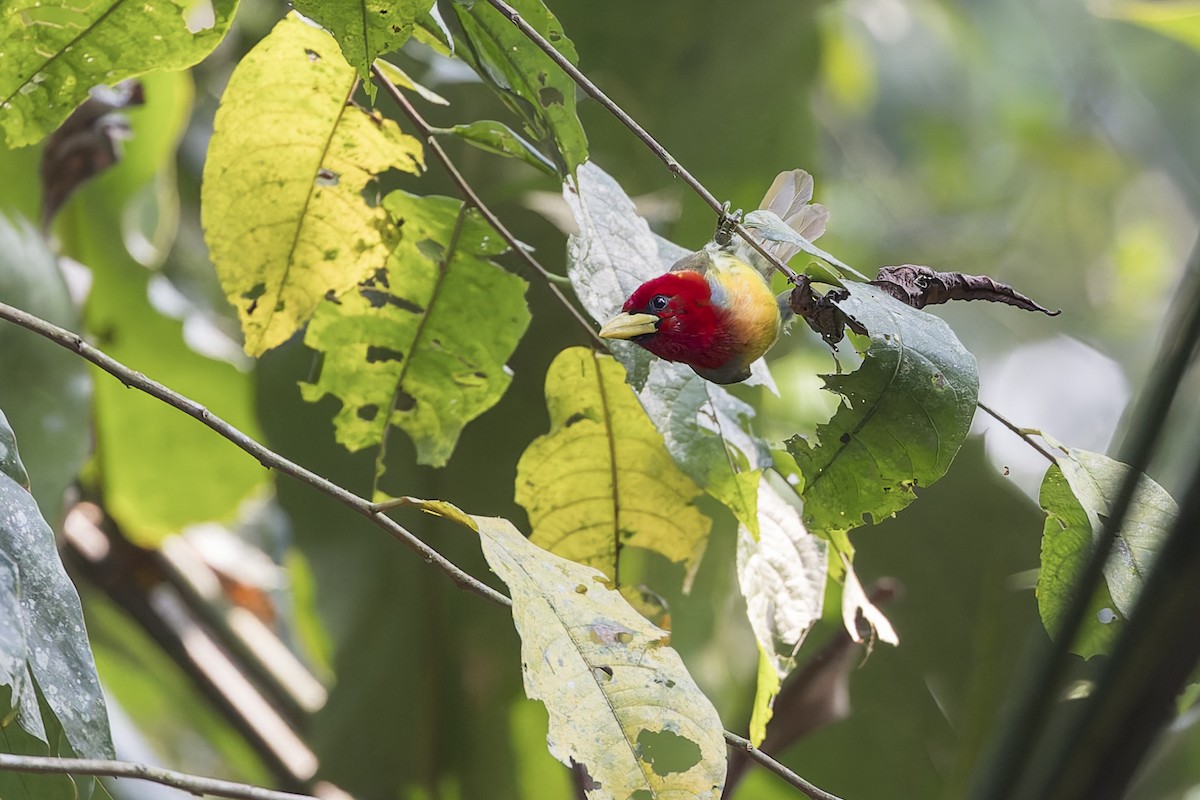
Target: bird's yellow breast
x=746, y=299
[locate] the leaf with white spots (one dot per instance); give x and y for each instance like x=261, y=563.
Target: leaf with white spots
x=623, y=708
x=45, y=619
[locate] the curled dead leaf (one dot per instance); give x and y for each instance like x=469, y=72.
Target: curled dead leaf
x=920, y=286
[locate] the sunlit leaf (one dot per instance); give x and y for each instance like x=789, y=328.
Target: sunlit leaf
x=623, y=709
x=704, y=426
x=524, y=76
x=365, y=29
x=1077, y=495
x=1066, y=544
x=55, y=51
x=282, y=202
x=498, y=138
x=601, y=479
x=906, y=411
x=781, y=572
x=56, y=654
x=857, y=606
x=1178, y=19
x=422, y=344
x=49, y=391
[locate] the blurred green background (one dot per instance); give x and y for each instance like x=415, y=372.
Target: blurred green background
x=1048, y=145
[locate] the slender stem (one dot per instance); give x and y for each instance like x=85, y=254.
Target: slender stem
x=267, y=457
x=429, y=135
x=816, y=793
x=643, y=135
x=1018, y=431
x=124, y=769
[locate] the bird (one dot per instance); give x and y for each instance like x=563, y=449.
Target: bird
x=714, y=309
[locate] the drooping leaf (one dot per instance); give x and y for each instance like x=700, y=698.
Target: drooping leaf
x=281, y=200
x=422, y=344
x=55, y=51
x=781, y=572
x=859, y=611
x=525, y=77
x=1077, y=495
x=1067, y=538
x=366, y=29
x=56, y=653
x=906, y=411
x=601, y=479
x=704, y=426
x=623, y=709
x=46, y=390
x=498, y=138
x=150, y=490
x=919, y=286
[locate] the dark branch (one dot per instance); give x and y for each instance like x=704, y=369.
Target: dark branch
x=735, y=741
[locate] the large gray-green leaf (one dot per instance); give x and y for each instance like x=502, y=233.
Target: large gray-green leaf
x=365, y=29
x=906, y=411
x=524, y=77
x=57, y=654
x=45, y=390
x=55, y=51
x=1077, y=494
x=422, y=345
x=623, y=708
x=704, y=426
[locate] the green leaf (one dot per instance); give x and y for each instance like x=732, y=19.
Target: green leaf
x=45, y=389
x=366, y=29
x=1066, y=544
x=39, y=595
x=422, y=345
x=907, y=410
x=601, y=479
x=525, y=77
x=704, y=426
x=281, y=201
x=498, y=138
x=781, y=572
x=15, y=738
x=10, y=461
x=55, y=51
x=1077, y=496
x=623, y=708
x=1178, y=19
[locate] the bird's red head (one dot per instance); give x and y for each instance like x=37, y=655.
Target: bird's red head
x=690, y=327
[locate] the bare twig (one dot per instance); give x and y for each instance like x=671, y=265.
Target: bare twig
x=644, y=136
x=124, y=769
x=267, y=457
x=473, y=199
x=816, y=793
x=1018, y=431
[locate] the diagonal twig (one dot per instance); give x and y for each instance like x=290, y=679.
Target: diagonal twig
x=267, y=457
x=194, y=784
x=816, y=793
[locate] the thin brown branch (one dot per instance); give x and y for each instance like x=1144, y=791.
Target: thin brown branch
x=267, y=457
x=643, y=135
x=195, y=784
x=472, y=198
x=1024, y=434
x=816, y=793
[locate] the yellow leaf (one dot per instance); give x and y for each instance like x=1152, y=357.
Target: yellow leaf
x=282, y=204
x=602, y=480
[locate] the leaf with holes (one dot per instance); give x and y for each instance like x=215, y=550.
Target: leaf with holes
x=706, y=428
x=281, y=201
x=1077, y=495
x=366, y=29
x=524, y=77
x=55, y=51
x=623, y=709
x=601, y=479
x=906, y=410
x=422, y=344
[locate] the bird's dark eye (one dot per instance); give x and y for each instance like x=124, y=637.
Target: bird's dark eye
x=659, y=302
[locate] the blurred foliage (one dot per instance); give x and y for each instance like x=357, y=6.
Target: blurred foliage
x=1042, y=144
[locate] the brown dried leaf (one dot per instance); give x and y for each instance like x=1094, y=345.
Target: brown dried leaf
x=920, y=286
x=821, y=311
